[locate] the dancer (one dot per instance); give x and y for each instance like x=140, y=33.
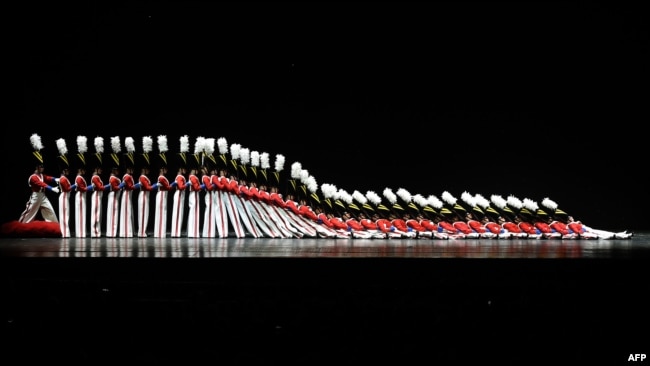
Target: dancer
x=163, y=187
x=194, y=194
x=39, y=183
x=127, y=185
x=208, y=170
x=98, y=188
x=80, y=198
x=180, y=185
x=145, y=187
x=114, y=190
x=66, y=188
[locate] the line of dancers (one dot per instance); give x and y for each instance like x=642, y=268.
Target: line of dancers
x=223, y=190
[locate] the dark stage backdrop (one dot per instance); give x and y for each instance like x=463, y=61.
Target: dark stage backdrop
x=535, y=100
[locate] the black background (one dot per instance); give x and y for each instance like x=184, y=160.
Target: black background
x=535, y=100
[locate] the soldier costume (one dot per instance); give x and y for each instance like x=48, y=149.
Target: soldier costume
x=127, y=186
x=39, y=183
x=114, y=190
x=180, y=185
x=163, y=187
x=97, y=195
x=66, y=188
x=80, y=197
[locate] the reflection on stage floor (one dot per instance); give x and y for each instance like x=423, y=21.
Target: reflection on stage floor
x=638, y=245
x=323, y=301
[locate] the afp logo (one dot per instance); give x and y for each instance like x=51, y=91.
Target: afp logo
x=636, y=357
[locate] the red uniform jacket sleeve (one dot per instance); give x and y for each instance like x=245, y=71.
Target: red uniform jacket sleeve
x=291, y=205
x=163, y=183
x=560, y=227
x=97, y=183
x=36, y=182
x=277, y=200
x=511, y=227
x=415, y=225
x=129, y=184
x=368, y=224
x=400, y=224
x=576, y=227
x=219, y=182
x=429, y=225
x=338, y=224
x=493, y=227
x=527, y=227
x=207, y=182
x=181, y=182
x=384, y=225
x=306, y=211
x=476, y=226
x=543, y=227
x=145, y=183
x=115, y=183
x=82, y=186
x=233, y=186
x=245, y=192
x=195, y=184
x=265, y=197
x=255, y=193
x=355, y=225
x=448, y=227
x=463, y=227
x=65, y=184
x=323, y=218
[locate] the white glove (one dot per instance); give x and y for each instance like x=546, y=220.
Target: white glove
x=56, y=180
x=55, y=189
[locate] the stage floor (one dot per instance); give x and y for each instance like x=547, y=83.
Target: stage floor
x=638, y=246
x=317, y=301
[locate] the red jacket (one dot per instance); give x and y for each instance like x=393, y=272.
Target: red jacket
x=306, y=211
x=163, y=183
x=181, y=182
x=368, y=224
x=80, y=181
x=448, y=227
x=543, y=227
x=476, y=226
x=527, y=227
x=265, y=197
x=400, y=225
x=355, y=225
x=145, y=183
x=232, y=186
x=560, y=227
x=415, y=225
x=39, y=182
x=96, y=181
x=195, y=183
x=276, y=199
x=338, y=223
x=207, y=182
x=129, y=184
x=463, y=227
x=575, y=226
x=493, y=227
x=65, y=184
x=114, y=182
x=246, y=192
x=323, y=218
x=384, y=225
x=220, y=183
x=291, y=205
x=511, y=227
x=429, y=225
